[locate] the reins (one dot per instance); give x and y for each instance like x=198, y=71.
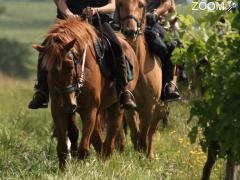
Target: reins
x=79, y=81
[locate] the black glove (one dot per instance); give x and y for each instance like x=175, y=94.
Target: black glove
x=152, y=19
x=150, y=34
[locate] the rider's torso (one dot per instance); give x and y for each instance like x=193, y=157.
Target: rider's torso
x=152, y=4
x=77, y=6
x=164, y=19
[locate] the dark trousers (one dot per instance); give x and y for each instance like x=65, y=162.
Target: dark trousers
x=154, y=37
x=41, y=84
x=120, y=62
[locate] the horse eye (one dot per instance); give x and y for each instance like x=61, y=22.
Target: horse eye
x=140, y=5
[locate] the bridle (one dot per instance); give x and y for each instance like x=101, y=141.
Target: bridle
x=76, y=87
x=131, y=16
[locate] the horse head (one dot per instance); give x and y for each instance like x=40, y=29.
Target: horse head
x=131, y=16
x=60, y=60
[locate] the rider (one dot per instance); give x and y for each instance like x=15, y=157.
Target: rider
x=154, y=33
x=90, y=8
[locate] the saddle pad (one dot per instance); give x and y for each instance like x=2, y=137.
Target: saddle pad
x=106, y=63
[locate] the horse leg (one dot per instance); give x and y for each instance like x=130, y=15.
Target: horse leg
x=132, y=119
x=96, y=138
x=142, y=145
x=115, y=116
x=88, y=124
x=121, y=140
x=73, y=134
x=211, y=159
x=153, y=127
x=123, y=134
x=145, y=119
x=60, y=122
x=165, y=114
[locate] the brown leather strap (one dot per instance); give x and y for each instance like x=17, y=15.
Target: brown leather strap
x=101, y=30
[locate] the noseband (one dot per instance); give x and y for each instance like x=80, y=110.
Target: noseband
x=78, y=80
x=131, y=16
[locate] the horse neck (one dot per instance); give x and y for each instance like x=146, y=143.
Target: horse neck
x=141, y=50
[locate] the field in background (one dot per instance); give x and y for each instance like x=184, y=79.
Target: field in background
x=26, y=21
x=27, y=150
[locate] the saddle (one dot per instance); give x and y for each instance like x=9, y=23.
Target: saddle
x=107, y=59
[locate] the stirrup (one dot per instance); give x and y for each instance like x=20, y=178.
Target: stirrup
x=131, y=94
x=164, y=91
x=131, y=97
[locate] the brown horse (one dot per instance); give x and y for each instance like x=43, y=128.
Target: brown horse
x=149, y=86
x=76, y=84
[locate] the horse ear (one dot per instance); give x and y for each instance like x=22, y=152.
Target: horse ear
x=39, y=48
x=69, y=45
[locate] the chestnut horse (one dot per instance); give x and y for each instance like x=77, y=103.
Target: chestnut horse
x=76, y=84
x=149, y=86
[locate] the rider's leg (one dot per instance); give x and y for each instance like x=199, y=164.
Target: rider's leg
x=158, y=47
x=124, y=94
x=41, y=95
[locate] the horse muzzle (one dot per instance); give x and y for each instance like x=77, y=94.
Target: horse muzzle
x=129, y=33
x=70, y=109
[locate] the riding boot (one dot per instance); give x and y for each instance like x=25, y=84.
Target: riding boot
x=170, y=91
x=126, y=98
x=41, y=95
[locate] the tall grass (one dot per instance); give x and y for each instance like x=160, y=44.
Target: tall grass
x=28, y=152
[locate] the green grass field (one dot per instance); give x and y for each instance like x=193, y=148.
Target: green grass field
x=27, y=150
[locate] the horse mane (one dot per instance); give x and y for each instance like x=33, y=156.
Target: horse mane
x=60, y=34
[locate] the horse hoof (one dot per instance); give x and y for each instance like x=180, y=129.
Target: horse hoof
x=82, y=154
x=151, y=156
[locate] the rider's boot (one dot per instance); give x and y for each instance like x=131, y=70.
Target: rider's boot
x=170, y=91
x=126, y=98
x=41, y=95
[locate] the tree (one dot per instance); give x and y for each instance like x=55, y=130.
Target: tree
x=214, y=38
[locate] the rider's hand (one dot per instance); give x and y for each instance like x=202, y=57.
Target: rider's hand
x=152, y=19
x=71, y=15
x=89, y=11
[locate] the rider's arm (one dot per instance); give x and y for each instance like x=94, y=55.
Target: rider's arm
x=164, y=7
x=109, y=8
x=63, y=8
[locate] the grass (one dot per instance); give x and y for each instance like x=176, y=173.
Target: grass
x=26, y=21
x=27, y=150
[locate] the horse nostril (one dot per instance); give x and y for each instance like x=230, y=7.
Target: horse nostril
x=130, y=33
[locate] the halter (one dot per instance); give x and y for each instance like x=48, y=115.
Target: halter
x=79, y=81
x=130, y=16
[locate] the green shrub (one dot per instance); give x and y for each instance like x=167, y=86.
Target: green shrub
x=2, y=9
x=14, y=58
